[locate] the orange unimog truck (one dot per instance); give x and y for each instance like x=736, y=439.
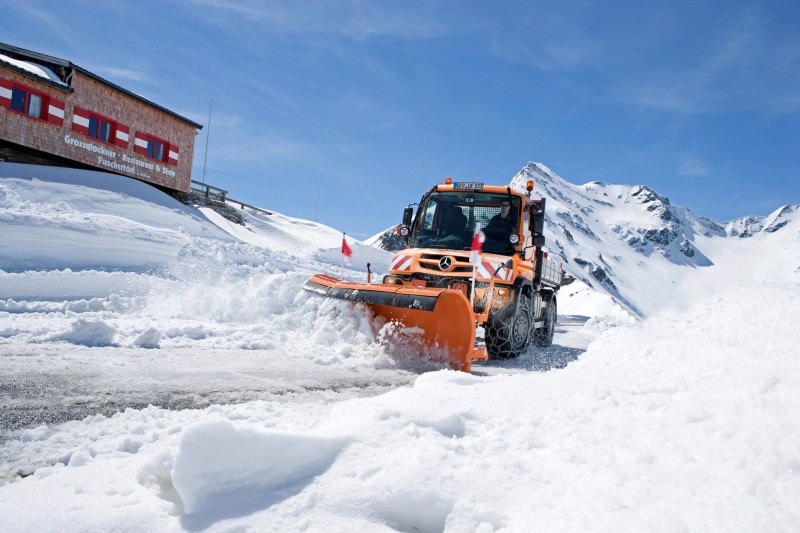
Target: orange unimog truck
x=434, y=289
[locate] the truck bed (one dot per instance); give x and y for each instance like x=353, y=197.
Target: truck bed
x=551, y=273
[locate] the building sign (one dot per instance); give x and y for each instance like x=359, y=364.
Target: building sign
x=111, y=159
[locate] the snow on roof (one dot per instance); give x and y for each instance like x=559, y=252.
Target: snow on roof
x=33, y=68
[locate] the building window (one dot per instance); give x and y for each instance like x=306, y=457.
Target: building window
x=28, y=102
x=155, y=150
x=101, y=128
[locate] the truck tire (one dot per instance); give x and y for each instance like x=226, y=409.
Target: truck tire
x=509, y=335
x=544, y=336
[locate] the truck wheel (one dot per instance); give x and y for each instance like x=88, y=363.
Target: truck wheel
x=508, y=336
x=544, y=336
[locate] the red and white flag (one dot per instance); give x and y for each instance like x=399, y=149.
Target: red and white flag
x=347, y=253
x=477, y=246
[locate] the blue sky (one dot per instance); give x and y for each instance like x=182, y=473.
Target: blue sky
x=699, y=99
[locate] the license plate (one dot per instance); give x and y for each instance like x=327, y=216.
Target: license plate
x=467, y=186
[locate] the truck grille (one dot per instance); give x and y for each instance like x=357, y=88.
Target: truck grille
x=461, y=265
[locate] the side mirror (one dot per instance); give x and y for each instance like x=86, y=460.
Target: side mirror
x=408, y=214
x=537, y=217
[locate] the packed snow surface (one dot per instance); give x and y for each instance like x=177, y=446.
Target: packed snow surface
x=279, y=411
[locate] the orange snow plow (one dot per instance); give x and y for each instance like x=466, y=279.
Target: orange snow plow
x=435, y=290
x=442, y=317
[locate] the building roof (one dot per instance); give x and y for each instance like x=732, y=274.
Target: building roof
x=63, y=70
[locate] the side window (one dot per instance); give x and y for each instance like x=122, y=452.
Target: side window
x=430, y=215
x=28, y=102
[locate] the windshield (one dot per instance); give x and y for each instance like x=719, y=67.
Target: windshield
x=447, y=220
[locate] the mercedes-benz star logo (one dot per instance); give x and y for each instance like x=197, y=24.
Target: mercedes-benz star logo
x=446, y=263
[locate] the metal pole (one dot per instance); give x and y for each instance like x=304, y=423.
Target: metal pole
x=208, y=134
x=319, y=188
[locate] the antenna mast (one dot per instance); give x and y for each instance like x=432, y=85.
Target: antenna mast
x=208, y=134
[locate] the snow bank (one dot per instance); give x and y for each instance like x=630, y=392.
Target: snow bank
x=247, y=308
x=89, y=333
x=578, y=299
x=54, y=218
x=687, y=421
x=96, y=259
x=301, y=238
x=221, y=469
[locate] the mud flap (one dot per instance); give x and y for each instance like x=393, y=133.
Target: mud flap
x=443, y=316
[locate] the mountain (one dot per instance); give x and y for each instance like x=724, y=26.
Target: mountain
x=644, y=251
x=752, y=225
x=387, y=240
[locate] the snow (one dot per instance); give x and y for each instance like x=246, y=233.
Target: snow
x=275, y=410
x=33, y=68
x=66, y=218
x=626, y=241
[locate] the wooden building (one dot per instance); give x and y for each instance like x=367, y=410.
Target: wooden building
x=54, y=112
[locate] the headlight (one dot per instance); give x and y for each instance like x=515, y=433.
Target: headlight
x=514, y=238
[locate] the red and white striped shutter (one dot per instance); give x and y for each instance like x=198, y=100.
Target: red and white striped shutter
x=139, y=143
x=5, y=93
x=55, y=112
x=173, y=155
x=80, y=120
x=122, y=136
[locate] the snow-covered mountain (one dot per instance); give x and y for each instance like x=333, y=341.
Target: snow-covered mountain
x=640, y=248
x=637, y=246
x=752, y=225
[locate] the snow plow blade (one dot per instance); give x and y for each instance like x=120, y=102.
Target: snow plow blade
x=443, y=316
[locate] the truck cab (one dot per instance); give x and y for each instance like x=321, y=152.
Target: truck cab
x=514, y=284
